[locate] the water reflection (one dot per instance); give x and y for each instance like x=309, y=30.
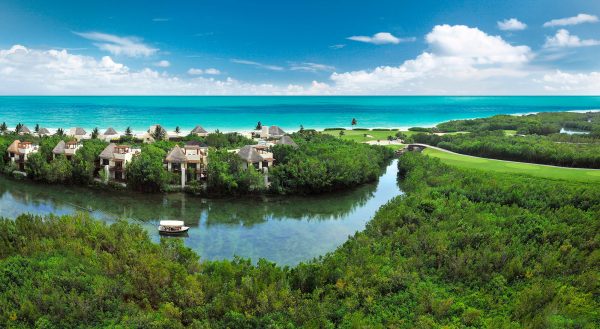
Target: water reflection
x=286, y=230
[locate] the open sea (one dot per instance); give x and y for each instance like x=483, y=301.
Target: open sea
x=241, y=113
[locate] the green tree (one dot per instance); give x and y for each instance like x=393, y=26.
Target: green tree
x=95, y=133
x=354, y=122
x=177, y=130
x=258, y=126
x=36, y=167
x=146, y=172
x=60, y=170
x=159, y=133
x=18, y=128
x=128, y=132
x=3, y=128
x=37, y=128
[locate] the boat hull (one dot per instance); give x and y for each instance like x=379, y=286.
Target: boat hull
x=181, y=231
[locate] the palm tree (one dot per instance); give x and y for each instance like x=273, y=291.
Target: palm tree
x=95, y=133
x=177, y=130
x=301, y=128
x=18, y=127
x=60, y=132
x=3, y=128
x=354, y=122
x=159, y=133
x=37, y=128
x=258, y=126
x=128, y=132
x=342, y=133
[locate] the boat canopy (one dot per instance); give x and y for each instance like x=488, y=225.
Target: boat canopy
x=171, y=223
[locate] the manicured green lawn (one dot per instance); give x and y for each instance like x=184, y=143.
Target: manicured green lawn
x=581, y=175
x=359, y=135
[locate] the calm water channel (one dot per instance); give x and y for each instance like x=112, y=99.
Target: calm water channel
x=284, y=230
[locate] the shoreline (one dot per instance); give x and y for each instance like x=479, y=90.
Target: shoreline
x=186, y=130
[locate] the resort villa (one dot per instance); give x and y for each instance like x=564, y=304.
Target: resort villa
x=199, y=131
x=24, y=130
x=190, y=161
x=109, y=135
x=78, y=133
x=114, y=159
x=287, y=140
x=67, y=149
x=19, y=152
x=272, y=132
x=257, y=156
x=43, y=132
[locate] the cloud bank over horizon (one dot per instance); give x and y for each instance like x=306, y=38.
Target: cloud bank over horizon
x=456, y=60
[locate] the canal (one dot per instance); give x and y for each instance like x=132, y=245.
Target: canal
x=286, y=230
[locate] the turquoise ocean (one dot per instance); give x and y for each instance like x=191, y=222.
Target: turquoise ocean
x=242, y=113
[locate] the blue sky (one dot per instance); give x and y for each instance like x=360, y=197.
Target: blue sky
x=300, y=47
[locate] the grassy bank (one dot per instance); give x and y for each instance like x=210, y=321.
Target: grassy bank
x=464, y=161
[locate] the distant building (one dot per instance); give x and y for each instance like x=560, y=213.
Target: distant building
x=287, y=140
x=24, y=130
x=43, y=132
x=109, y=134
x=256, y=155
x=78, y=133
x=114, y=159
x=18, y=152
x=67, y=149
x=199, y=131
x=190, y=161
x=272, y=132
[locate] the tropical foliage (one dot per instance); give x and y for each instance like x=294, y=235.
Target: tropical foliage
x=460, y=249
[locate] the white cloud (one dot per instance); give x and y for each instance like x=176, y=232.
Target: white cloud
x=563, y=39
x=209, y=71
x=579, y=19
x=212, y=71
x=512, y=24
x=26, y=71
x=570, y=83
x=163, y=63
x=127, y=46
x=311, y=67
x=466, y=42
x=257, y=64
x=380, y=38
x=462, y=60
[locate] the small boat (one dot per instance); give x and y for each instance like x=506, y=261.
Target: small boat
x=172, y=227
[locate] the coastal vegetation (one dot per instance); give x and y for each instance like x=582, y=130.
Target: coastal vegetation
x=537, y=139
x=462, y=248
x=334, y=164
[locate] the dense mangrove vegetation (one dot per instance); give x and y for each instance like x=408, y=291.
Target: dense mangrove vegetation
x=319, y=163
x=534, y=138
x=460, y=249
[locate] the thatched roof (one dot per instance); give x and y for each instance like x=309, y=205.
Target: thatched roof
x=25, y=130
x=43, y=131
x=275, y=130
x=176, y=155
x=196, y=143
x=59, y=148
x=199, y=130
x=110, y=131
x=78, y=131
x=107, y=153
x=287, y=140
x=14, y=147
x=249, y=154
